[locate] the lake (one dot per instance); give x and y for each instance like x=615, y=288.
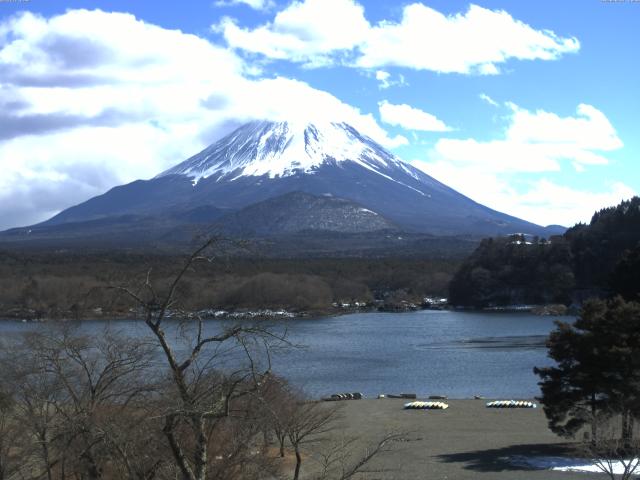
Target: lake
x=458, y=354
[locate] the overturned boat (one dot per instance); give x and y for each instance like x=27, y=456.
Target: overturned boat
x=426, y=406
x=511, y=404
x=343, y=396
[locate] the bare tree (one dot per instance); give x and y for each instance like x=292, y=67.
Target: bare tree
x=10, y=461
x=341, y=461
x=202, y=395
x=277, y=402
x=614, y=451
x=98, y=380
x=34, y=393
x=70, y=396
x=307, y=423
x=307, y=427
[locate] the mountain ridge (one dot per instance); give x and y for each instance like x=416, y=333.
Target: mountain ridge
x=297, y=212
x=265, y=160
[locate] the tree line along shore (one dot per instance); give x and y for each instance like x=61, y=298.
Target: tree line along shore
x=64, y=285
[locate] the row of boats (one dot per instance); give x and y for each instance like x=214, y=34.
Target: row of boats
x=343, y=396
x=511, y=404
x=431, y=405
x=418, y=405
x=426, y=406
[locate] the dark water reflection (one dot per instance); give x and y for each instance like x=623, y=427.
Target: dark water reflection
x=459, y=354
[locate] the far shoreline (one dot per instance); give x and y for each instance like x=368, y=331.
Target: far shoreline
x=265, y=314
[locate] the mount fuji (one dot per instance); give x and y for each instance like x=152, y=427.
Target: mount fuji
x=275, y=178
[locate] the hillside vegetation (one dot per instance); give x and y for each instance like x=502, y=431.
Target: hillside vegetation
x=598, y=259
x=57, y=285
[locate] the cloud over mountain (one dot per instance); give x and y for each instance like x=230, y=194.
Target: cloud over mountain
x=76, y=97
x=535, y=142
x=322, y=32
x=410, y=118
x=92, y=98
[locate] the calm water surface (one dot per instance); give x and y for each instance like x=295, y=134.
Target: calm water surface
x=458, y=354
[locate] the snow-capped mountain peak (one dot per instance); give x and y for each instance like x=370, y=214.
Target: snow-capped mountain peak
x=281, y=149
x=285, y=175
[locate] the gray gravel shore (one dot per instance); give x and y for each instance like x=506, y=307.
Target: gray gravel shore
x=466, y=441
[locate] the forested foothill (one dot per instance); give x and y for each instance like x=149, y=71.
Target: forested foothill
x=62, y=284
x=600, y=259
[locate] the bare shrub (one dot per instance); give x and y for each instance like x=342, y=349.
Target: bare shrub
x=610, y=451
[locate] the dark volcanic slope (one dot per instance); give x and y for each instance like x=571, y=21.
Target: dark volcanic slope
x=299, y=212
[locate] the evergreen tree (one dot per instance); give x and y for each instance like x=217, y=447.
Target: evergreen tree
x=626, y=276
x=597, y=370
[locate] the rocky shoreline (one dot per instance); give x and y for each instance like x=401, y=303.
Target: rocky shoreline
x=32, y=315
x=542, y=310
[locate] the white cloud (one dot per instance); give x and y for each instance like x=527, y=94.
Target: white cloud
x=255, y=4
x=488, y=99
x=540, y=201
x=536, y=142
x=588, y=130
x=410, y=118
x=473, y=42
x=385, y=80
x=321, y=32
x=493, y=172
x=497, y=156
x=84, y=109
x=291, y=100
x=485, y=69
x=306, y=31
x=548, y=200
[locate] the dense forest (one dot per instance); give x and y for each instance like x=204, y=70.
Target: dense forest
x=66, y=285
x=598, y=259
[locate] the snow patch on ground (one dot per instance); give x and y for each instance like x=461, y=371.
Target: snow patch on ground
x=366, y=210
x=564, y=464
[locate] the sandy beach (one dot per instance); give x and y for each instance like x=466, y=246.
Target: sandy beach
x=466, y=441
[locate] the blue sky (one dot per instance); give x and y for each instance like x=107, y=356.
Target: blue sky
x=527, y=107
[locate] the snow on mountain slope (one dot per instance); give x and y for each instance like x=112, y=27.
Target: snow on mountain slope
x=281, y=149
x=266, y=160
